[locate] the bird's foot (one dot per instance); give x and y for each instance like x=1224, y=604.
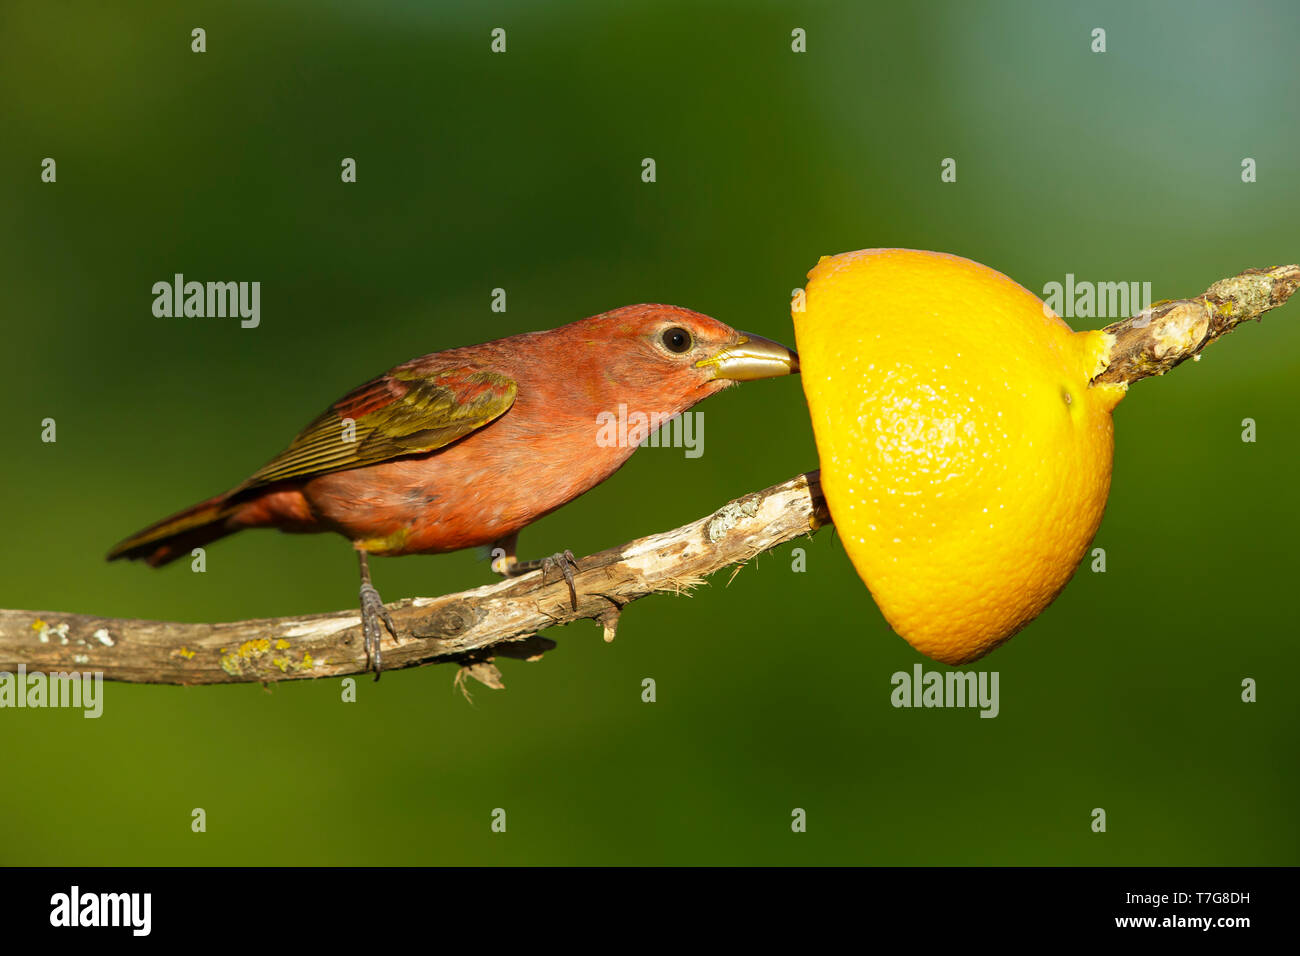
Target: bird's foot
x=563, y=562
x=373, y=613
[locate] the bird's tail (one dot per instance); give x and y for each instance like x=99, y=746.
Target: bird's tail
x=176, y=536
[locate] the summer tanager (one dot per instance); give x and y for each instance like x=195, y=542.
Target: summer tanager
x=465, y=447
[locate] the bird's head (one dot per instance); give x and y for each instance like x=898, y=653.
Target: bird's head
x=670, y=358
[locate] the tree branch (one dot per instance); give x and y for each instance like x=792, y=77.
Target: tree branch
x=502, y=620
x=471, y=628
x=1169, y=333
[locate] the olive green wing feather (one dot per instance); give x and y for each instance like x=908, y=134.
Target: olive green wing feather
x=402, y=413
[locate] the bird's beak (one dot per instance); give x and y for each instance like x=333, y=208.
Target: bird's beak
x=751, y=357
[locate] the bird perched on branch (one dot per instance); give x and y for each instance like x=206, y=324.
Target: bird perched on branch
x=465, y=447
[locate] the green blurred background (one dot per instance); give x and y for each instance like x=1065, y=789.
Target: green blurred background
x=522, y=171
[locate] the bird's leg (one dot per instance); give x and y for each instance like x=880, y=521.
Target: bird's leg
x=506, y=564
x=372, y=613
x=503, y=555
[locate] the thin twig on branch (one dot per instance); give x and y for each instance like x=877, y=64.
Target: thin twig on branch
x=502, y=620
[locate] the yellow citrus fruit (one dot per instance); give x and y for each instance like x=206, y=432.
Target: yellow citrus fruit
x=964, y=457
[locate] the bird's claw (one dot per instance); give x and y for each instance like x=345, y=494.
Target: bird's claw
x=373, y=613
x=564, y=562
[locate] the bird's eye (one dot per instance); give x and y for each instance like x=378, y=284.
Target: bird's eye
x=677, y=339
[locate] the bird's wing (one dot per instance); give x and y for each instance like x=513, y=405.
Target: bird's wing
x=402, y=413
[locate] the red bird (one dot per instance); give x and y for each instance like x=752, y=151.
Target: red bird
x=466, y=447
